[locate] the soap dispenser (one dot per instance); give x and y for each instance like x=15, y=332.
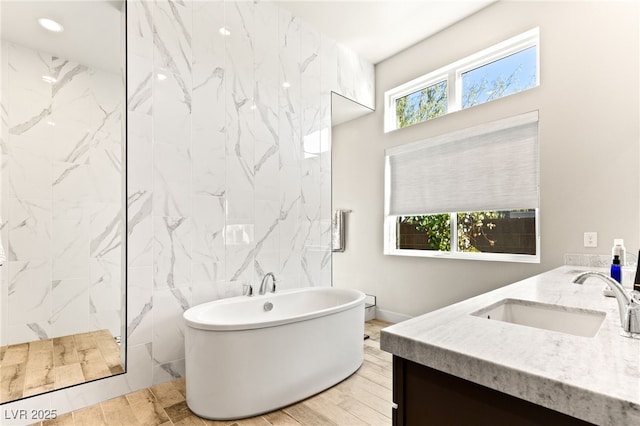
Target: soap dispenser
x=616, y=271
x=616, y=274
x=619, y=254
x=618, y=249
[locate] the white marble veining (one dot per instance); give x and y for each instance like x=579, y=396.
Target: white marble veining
x=61, y=195
x=228, y=172
x=229, y=157
x=596, y=379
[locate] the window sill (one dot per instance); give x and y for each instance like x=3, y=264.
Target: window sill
x=490, y=257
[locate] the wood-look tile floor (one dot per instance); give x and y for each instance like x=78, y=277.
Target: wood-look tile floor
x=31, y=368
x=362, y=399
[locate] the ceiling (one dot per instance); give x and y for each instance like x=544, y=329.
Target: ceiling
x=375, y=29
x=378, y=29
x=91, y=36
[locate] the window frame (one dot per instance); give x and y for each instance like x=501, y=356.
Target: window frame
x=390, y=239
x=452, y=74
x=526, y=199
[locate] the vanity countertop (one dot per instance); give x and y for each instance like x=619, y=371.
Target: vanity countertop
x=596, y=379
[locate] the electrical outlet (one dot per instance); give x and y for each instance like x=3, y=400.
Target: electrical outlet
x=591, y=239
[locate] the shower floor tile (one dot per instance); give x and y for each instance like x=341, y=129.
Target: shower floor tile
x=31, y=368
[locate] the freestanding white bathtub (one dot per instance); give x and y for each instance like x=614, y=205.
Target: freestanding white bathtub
x=243, y=360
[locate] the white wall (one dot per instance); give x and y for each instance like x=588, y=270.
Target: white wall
x=588, y=102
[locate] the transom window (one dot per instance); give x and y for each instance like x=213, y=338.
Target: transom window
x=498, y=71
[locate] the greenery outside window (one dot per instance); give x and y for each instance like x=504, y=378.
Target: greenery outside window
x=498, y=71
x=422, y=105
x=507, y=232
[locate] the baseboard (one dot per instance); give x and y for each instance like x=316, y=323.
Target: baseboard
x=369, y=313
x=392, y=317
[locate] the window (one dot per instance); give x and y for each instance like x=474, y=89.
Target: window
x=506, y=232
x=422, y=105
x=502, y=77
x=501, y=70
x=469, y=194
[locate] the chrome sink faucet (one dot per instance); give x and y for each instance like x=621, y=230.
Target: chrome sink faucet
x=263, y=284
x=628, y=302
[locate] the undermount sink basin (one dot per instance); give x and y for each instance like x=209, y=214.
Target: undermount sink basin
x=579, y=322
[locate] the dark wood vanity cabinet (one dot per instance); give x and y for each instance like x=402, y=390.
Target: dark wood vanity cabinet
x=425, y=396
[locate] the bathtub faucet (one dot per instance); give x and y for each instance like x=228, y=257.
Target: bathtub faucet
x=247, y=290
x=263, y=284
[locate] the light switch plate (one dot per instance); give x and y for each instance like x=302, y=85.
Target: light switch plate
x=591, y=239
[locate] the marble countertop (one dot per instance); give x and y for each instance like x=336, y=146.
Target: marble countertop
x=596, y=379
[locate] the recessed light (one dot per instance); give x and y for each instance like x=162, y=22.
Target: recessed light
x=161, y=77
x=224, y=31
x=51, y=25
x=286, y=84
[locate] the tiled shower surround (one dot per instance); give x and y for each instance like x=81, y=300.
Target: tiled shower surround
x=229, y=168
x=61, y=197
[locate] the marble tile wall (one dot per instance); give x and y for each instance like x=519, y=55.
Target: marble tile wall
x=61, y=201
x=229, y=159
x=229, y=167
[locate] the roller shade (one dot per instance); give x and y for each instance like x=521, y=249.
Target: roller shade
x=493, y=166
